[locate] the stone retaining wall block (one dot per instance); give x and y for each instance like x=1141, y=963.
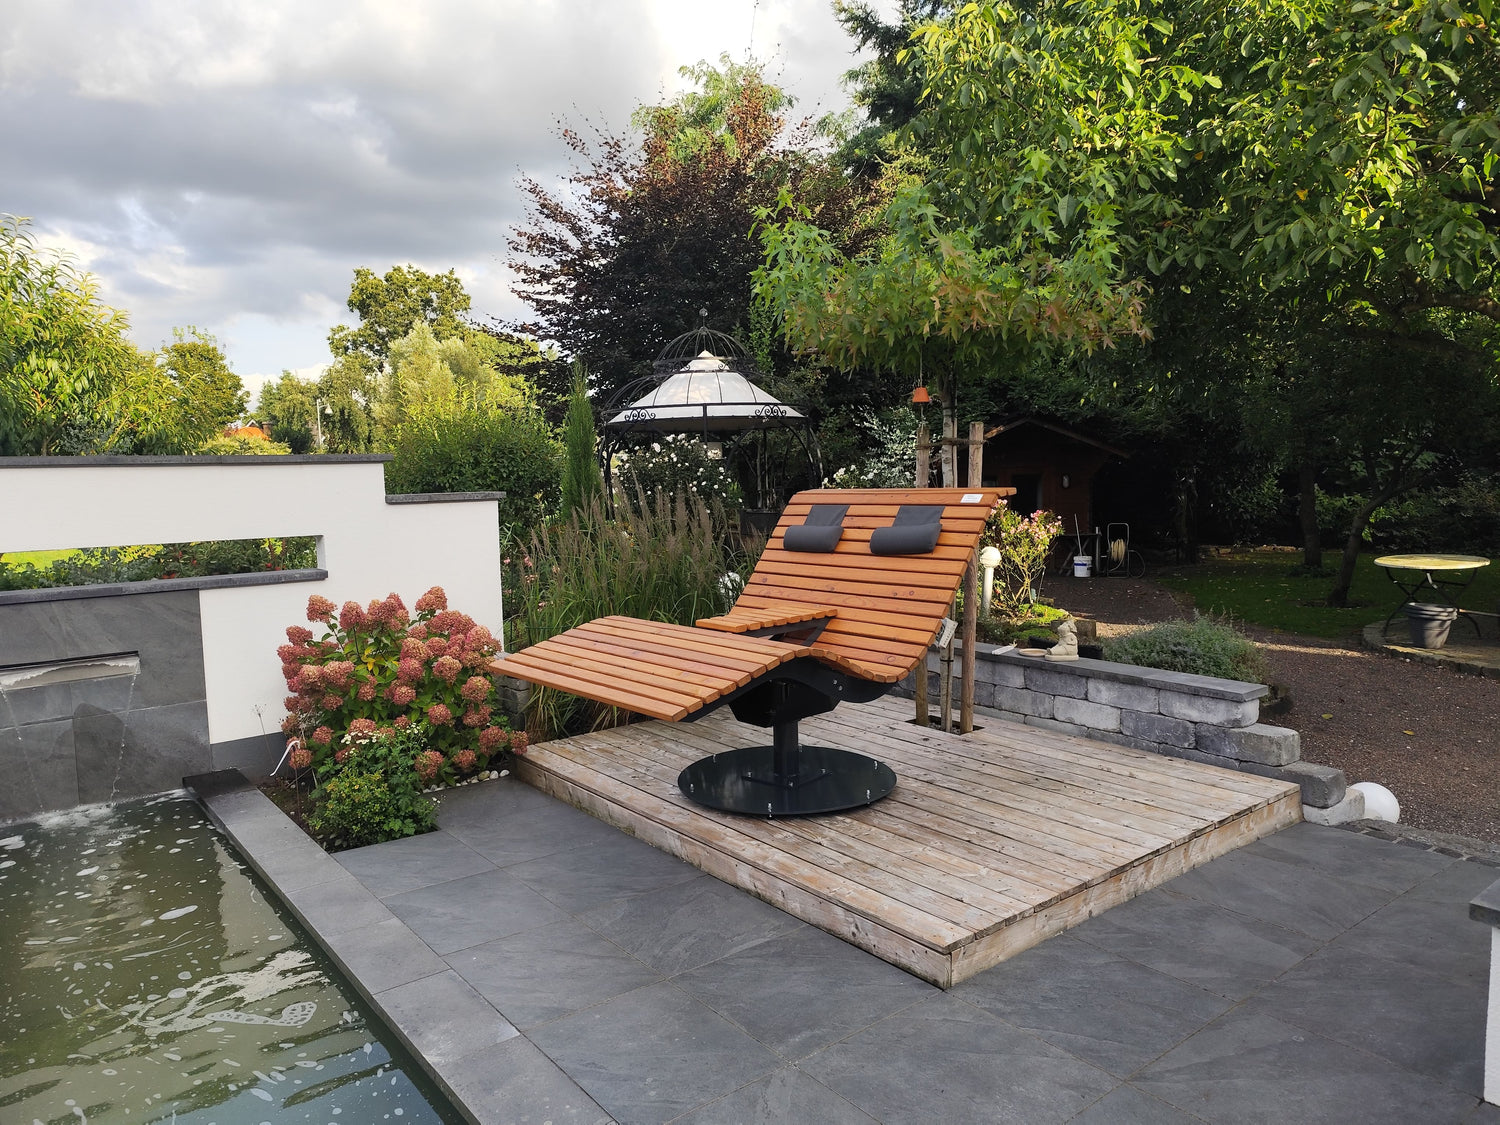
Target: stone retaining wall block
x=1158, y=728
x=1096, y=716
x=1322, y=786
x=1056, y=683
x=1202, y=709
x=1129, y=697
x=1026, y=702
x=1061, y=728
x=1260, y=742
x=1352, y=807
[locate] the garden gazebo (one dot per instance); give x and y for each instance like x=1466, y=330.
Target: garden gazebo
x=704, y=383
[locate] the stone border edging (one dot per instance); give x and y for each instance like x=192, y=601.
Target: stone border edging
x=441, y=497
x=382, y=959
x=195, y=459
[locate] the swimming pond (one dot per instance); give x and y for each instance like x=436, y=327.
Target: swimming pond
x=146, y=976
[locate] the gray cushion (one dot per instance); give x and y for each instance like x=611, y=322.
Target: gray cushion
x=915, y=531
x=820, y=532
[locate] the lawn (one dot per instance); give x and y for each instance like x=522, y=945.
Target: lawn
x=1264, y=588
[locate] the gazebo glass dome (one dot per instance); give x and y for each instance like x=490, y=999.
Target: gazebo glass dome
x=705, y=395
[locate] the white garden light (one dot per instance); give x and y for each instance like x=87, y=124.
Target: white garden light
x=1380, y=802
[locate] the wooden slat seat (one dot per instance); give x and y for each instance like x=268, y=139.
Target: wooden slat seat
x=651, y=667
x=745, y=619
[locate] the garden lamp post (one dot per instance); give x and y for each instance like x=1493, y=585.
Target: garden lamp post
x=989, y=559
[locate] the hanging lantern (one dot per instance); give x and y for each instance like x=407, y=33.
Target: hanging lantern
x=920, y=397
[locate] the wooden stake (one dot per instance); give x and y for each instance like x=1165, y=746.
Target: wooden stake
x=924, y=476
x=971, y=591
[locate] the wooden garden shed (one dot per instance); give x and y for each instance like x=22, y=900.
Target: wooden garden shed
x=1049, y=466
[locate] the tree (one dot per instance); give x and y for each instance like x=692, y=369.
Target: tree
x=70, y=381
x=582, y=481
x=655, y=226
x=289, y=410
x=388, y=306
x=209, y=396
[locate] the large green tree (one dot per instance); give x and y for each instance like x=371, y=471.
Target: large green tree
x=389, y=305
x=289, y=410
x=209, y=395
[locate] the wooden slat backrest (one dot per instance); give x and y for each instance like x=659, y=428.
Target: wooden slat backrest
x=889, y=606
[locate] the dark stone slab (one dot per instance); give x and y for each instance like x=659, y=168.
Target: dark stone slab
x=784, y=1095
x=382, y=955
x=48, y=702
x=540, y=975
x=491, y=803
x=398, y=866
x=1426, y=1023
x=513, y=1083
x=653, y=1054
x=458, y=913
x=332, y=907
x=1260, y=885
x=149, y=750
x=1348, y=855
x=1429, y=928
x=531, y=832
x=208, y=787
x=1125, y=1105
x=442, y=1018
x=1197, y=942
x=1485, y=906
x=159, y=586
x=945, y=1061
x=1248, y=1066
x=441, y=497
x=256, y=756
x=1114, y=1013
x=584, y=878
x=687, y=924
x=803, y=990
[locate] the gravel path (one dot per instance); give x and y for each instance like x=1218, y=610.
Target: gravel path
x=1429, y=735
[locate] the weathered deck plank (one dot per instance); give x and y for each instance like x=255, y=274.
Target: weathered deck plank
x=989, y=844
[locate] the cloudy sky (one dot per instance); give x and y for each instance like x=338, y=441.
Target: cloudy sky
x=228, y=164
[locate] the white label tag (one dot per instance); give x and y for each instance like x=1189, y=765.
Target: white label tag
x=972, y=498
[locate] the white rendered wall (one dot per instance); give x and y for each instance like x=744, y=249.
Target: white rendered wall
x=1492, y=1025
x=369, y=548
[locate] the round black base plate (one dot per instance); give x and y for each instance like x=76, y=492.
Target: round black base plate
x=826, y=780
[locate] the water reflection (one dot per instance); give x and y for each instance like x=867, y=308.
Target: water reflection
x=144, y=977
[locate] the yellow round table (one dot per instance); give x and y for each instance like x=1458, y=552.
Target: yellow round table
x=1433, y=571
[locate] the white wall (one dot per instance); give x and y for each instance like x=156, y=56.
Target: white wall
x=369, y=548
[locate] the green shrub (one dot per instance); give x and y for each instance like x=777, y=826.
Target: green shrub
x=1202, y=647
x=108, y=565
x=374, y=793
x=662, y=559
x=485, y=449
x=241, y=444
x=379, y=670
x=678, y=463
x=1023, y=542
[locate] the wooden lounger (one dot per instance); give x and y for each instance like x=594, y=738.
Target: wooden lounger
x=841, y=618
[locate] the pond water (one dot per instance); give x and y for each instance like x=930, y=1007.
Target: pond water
x=146, y=977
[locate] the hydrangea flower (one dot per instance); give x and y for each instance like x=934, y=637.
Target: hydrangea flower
x=476, y=689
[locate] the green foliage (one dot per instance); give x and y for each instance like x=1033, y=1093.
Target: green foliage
x=388, y=307
x=240, y=444
x=431, y=378
x=209, y=396
x=582, y=481
x=288, y=410
x=109, y=565
x=890, y=437
x=678, y=463
x=379, y=669
x=663, y=559
x=375, y=793
x=1263, y=588
x=657, y=224
x=70, y=381
x=1029, y=625
x=1201, y=646
x=1023, y=542
x=481, y=449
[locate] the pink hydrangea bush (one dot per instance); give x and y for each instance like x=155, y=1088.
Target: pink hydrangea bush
x=379, y=668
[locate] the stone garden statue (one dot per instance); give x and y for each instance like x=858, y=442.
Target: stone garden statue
x=1066, y=647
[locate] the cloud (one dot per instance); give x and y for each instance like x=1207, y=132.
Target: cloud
x=228, y=165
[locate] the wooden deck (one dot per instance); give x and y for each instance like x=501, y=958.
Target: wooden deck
x=989, y=844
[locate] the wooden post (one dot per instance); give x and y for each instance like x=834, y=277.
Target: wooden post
x=924, y=476
x=971, y=590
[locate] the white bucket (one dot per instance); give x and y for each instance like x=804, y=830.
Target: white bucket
x=1083, y=566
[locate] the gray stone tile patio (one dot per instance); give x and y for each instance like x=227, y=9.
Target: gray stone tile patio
x=556, y=970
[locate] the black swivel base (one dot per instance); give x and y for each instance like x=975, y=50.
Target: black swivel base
x=786, y=779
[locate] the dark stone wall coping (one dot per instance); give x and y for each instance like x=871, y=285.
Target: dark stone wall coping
x=441, y=497
x=159, y=586
x=1209, y=687
x=196, y=459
